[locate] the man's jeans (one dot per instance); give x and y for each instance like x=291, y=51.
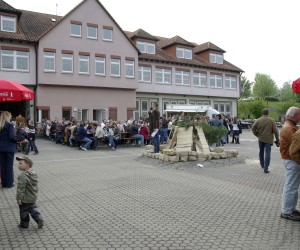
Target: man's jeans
x=155, y=141
x=139, y=137
x=264, y=157
x=87, y=142
x=291, y=186
x=164, y=135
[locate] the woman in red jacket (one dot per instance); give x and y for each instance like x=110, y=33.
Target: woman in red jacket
x=145, y=132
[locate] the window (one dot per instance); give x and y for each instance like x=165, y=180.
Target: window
x=200, y=79
x=163, y=75
x=49, y=61
x=216, y=106
x=84, y=62
x=66, y=114
x=182, y=77
x=115, y=67
x=107, y=34
x=14, y=60
x=148, y=48
x=100, y=66
x=216, y=81
x=67, y=63
x=144, y=74
x=222, y=108
x=183, y=53
x=216, y=58
x=75, y=30
x=228, y=108
x=129, y=68
x=230, y=82
x=8, y=24
x=92, y=32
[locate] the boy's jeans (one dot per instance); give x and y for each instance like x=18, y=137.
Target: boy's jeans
x=291, y=186
x=31, y=143
x=25, y=210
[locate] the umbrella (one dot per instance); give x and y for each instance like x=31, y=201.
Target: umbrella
x=14, y=92
x=296, y=86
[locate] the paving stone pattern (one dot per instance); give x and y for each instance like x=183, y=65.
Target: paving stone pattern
x=120, y=200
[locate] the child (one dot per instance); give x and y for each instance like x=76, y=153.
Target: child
x=31, y=139
x=27, y=191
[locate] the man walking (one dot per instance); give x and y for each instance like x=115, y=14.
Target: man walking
x=265, y=129
x=290, y=153
x=154, y=116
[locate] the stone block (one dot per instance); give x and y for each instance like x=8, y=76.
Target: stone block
x=166, y=157
x=232, y=153
x=170, y=152
x=214, y=155
x=184, y=158
x=223, y=155
x=173, y=159
x=216, y=150
x=193, y=153
x=193, y=158
x=161, y=157
x=149, y=147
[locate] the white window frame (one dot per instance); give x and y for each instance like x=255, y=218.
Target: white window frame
x=184, y=53
x=50, y=56
x=165, y=73
x=14, y=57
x=215, y=78
x=146, y=48
x=182, y=76
x=111, y=36
x=84, y=61
x=100, y=60
x=115, y=62
x=75, y=35
x=202, y=79
x=8, y=19
x=67, y=58
x=87, y=32
x=142, y=71
x=129, y=68
x=230, y=82
x=216, y=58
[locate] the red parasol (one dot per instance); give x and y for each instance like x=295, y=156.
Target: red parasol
x=296, y=86
x=14, y=92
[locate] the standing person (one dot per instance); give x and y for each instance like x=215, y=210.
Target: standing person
x=27, y=191
x=31, y=139
x=290, y=153
x=164, y=129
x=236, y=129
x=7, y=150
x=154, y=115
x=265, y=129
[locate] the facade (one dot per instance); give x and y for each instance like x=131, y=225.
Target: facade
x=86, y=66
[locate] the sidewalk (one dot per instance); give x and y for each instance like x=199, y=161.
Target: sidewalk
x=119, y=200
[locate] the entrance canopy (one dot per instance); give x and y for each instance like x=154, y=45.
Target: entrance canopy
x=186, y=108
x=14, y=92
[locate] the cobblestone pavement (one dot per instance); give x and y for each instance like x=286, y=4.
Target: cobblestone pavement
x=120, y=200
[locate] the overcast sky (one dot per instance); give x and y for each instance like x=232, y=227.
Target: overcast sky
x=258, y=35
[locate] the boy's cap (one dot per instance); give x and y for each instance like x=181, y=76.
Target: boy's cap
x=24, y=158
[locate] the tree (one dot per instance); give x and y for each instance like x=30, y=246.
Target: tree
x=264, y=87
x=286, y=93
x=245, y=87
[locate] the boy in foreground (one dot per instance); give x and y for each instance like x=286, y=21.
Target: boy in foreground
x=27, y=191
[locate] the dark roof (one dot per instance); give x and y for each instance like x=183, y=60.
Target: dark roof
x=31, y=26
x=5, y=7
x=140, y=33
x=207, y=46
x=174, y=40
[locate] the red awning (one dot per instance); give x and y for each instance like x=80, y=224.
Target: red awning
x=14, y=92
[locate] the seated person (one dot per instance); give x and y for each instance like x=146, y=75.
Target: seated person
x=82, y=136
x=109, y=133
x=134, y=132
x=116, y=135
x=145, y=132
x=99, y=134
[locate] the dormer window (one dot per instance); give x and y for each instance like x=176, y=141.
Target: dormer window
x=183, y=53
x=216, y=58
x=8, y=24
x=144, y=47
